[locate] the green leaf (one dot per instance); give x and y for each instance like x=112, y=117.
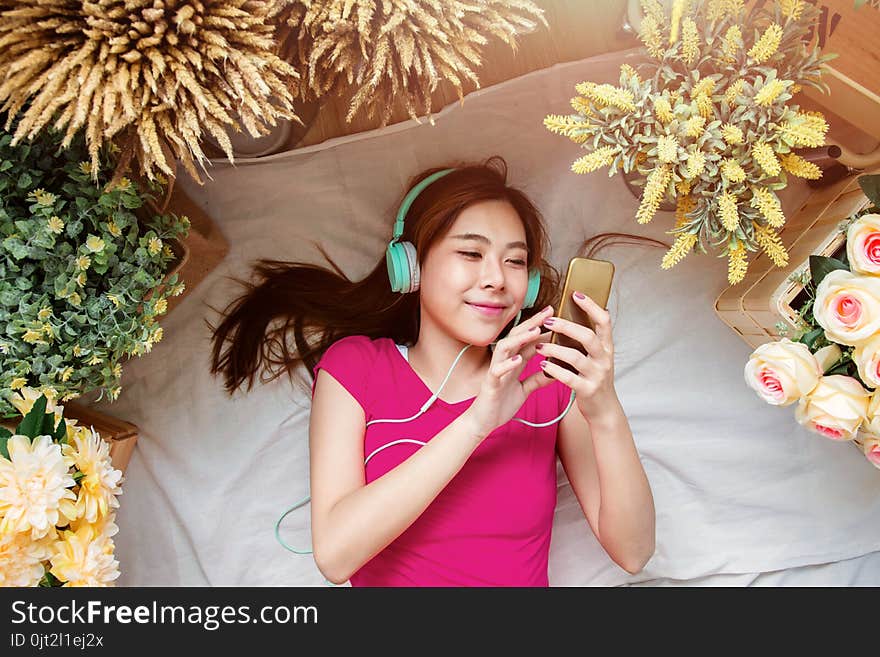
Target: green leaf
x=33, y=421
x=48, y=427
x=821, y=266
x=5, y=435
x=49, y=580
x=60, y=435
x=871, y=187
x=811, y=337
x=78, y=476
x=25, y=181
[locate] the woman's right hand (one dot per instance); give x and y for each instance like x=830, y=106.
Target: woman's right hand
x=502, y=393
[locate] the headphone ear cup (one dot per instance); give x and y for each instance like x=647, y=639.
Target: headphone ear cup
x=533, y=288
x=412, y=266
x=395, y=260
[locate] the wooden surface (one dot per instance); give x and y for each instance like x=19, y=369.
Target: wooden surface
x=577, y=29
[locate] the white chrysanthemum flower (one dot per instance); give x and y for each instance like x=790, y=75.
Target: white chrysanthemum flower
x=35, y=487
x=84, y=558
x=101, y=484
x=21, y=559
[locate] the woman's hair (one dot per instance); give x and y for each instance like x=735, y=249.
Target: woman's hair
x=314, y=307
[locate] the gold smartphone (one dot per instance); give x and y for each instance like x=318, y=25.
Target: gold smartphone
x=593, y=278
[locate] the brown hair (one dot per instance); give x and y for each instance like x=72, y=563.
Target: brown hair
x=315, y=307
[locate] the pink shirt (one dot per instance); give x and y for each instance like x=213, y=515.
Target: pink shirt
x=491, y=525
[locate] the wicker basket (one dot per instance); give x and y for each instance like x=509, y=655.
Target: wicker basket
x=755, y=306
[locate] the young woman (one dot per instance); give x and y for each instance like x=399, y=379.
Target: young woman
x=432, y=438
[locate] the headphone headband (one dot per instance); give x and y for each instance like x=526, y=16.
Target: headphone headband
x=408, y=201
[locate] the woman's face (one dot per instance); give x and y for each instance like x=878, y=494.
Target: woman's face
x=474, y=279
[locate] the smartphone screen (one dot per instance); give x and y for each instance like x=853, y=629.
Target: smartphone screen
x=593, y=278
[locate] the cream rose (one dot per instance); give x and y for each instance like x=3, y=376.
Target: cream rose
x=871, y=448
x=848, y=306
x=782, y=372
x=866, y=356
x=835, y=408
x=863, y=244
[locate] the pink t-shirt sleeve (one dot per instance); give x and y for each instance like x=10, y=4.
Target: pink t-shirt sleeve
x=350, y=361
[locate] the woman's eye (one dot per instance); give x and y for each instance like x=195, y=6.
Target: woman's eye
x=470, y=254
x=518, y=262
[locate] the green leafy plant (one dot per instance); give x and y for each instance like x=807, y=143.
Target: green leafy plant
x=82, y=269
x=709, y=123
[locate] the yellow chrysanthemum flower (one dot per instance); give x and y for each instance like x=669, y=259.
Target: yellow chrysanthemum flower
x=155, y=246
x=55, y=225
x=117, y=370
x=732, y=42
x=169, y=253
x=737, y=264
x=766, y=46
x=732, y=170
x=683, y=187
x=94, y=244
x=177, y=289
x=123, y=184
x=100, y=486
x=66, y=374
x=805, y=130
x=766, y=158
x=21, y=559
x=84, y=558
x=83, y=262
x=704, y=106
x=769, y=240
x=662, y=109
x=696, y=162
x=161, y=306
x=732, y=134
x=727, y=211
x=606, y=95
x=48, y=331
x=667, y=149
x=683, y=245
x=601, y=157
x=81, y=279
x=156, y=336
x=17, y=383
x=582, y=106
x=45, y=313
x=690, y=41
x=86, y=168
x=33, y=336
x=768, y=94
x=77, y=350
x=42, y=197
x=655, y=190
x=113, y=229
x=114, y=299
x=35, y=487
x=798, y=166
x=766, y=202
x=95, y=360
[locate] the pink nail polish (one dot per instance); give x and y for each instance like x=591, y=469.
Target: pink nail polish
x=548, y=321
x=579, y=296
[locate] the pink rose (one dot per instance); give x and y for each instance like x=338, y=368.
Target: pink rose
x=866, y=356
x=863, y=244
x=835, y=408
x=871, y=448
x=847, y=306
x=782, y=372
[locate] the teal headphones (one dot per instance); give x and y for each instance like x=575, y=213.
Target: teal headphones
x=403, y=262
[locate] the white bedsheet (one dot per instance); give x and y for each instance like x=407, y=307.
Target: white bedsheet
x=739, y=488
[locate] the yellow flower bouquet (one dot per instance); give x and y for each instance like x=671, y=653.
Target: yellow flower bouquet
x=58, y=495
x=831, y=367
x=710, y=126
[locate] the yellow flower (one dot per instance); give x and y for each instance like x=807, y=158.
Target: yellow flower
x=696, y=162
x=155, y=246
x=667, y=149
x=727, y=211
x=768, y=240
x=798, y=166
x=66, y=374
x=124, y=183
x=84, y=558
x=663, y=109
x=42, y=197
x=627, y=72
x=168, y=253
x=705, y=87
x=766, y=46
x=35, y=487
x=704, y=106
x=177, y=289
x=21, y=559
x=86, y=168
x=805, y=129
x=606, y=95
x=683, y=205
x=768, y=205
x=113, y=298
x=678, y=9
x=157, y=335
x=48, y=330
x=582, y=106
x=737, y=264
x=690, y=42
x=117, y=370
x=695, y=126
x=75, y=299
x=94, y=244
x=683, y=245
x=45, y=313
x=766, y=158
x=600, y=157
x=655, y=190
x=55, y=225
x=731, y=169
x=95, y=360
x=33, y=337
x=792, y=8
x=732, y=41
x=18, y=382
x=82, y=279
x=732, y=134
x=769, y=92
x=77, y=350
x=83, y=262
x=100, y=486
x=651, y=36
x=113, y=229
x=161, y=306
x=733, y=91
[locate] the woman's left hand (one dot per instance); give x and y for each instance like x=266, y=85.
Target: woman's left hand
x=594, y=382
